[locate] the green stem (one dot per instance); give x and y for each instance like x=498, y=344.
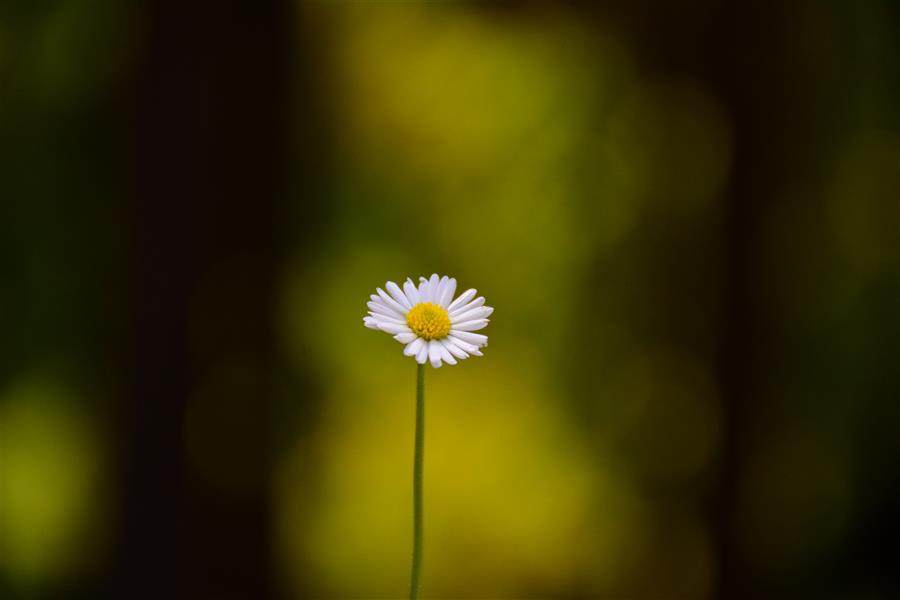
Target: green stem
x=417, y=484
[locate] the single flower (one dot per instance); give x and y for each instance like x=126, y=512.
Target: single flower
x=432, y=325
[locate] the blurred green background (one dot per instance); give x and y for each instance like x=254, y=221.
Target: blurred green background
x=686, y=216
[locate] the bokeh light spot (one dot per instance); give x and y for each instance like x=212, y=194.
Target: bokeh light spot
x=51, y=465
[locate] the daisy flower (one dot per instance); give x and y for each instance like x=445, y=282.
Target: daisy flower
x=428, y=321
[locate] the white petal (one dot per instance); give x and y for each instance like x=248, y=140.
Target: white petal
x=378, y=300
x=370, y=322
x=405, y=338
x=447, y=293
x=455, y=350
x=422, y=354
x=392, y=327
x=424, y=290
x=463, y=298
x=389, y=320
x=471, y=325
x=477, y=339
x=482, y=312
x=411, y=291
x=442, y=285
x=413, y=347
x=479, y=301
x=470, y=348
x=391, y=302
x=433, y=285
x=398, y=295
x=434, y=354
x=380, y=309
x=445, y=355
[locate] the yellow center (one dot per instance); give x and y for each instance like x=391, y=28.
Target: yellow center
x=429, y=321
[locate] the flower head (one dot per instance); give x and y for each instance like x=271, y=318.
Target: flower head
x=425, y=318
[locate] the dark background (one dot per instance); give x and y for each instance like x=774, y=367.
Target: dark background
x=686, y=215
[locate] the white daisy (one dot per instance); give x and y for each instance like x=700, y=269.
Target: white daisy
x=427, y=322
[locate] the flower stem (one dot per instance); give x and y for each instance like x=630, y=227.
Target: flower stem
x=417, y=484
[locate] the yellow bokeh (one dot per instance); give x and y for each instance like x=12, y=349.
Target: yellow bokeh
x=51, y=463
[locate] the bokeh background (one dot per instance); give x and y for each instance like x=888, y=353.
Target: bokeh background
x=687, y=218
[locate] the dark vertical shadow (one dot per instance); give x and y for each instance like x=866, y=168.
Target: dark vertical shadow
x=210, y=147
x=747, y=69
x=737, y=54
